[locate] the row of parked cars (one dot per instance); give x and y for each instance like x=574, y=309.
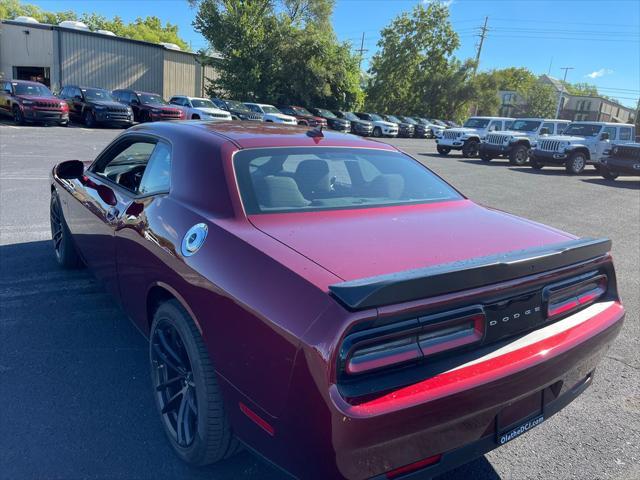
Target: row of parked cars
x=538, y=142
x=31, y=101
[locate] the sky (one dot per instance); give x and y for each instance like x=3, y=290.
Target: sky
x=600, y=39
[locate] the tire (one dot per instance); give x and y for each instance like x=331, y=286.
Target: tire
x=485, y=157
x=377, y=132
x=576, y=163
x=89, y=119
x=208, y=438
x=519, y=155
x=63, y=246
x=535, y=164
x=18, y=116
x=64, y=124
x=195, y=117
x=608, y=174
x=443, y=150
x=268, y=121
x=470, y=149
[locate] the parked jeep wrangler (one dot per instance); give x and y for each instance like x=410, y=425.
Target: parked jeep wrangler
x=515, y=142
x=580, y=144
x=468, y=137
x=621, y=160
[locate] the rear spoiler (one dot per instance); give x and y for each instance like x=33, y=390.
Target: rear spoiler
x=466, y=274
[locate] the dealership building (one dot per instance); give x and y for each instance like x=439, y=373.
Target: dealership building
x=58, y=55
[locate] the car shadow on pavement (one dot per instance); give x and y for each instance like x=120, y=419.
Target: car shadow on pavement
x=622, y=182
x=80, y=403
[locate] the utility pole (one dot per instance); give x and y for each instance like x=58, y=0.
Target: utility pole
x=564, y=80
x=361, y=51
x=482, y=35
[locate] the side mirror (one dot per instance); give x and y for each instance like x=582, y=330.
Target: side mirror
x=604, y=136
x=107, y=195
x=70, y=169
x=544, y=131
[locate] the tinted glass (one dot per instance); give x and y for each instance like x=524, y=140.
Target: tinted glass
x=527, y=126
x=302, y=111
x=97, y=94
x=310, y=179
x=375, y=117
x=152, y=99
x=202, y=103
x=476, y=123
x=236, y=105
x=548, y=126
x=351, y=116
x=157, y=175
x=611, y=131
x=33, y=89
x=582, y=129
x=270, y=109
x=625, y=133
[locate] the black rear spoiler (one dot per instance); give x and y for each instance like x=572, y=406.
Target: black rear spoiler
x=475, y=272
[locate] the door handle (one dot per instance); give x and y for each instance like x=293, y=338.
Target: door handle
x=112, y=214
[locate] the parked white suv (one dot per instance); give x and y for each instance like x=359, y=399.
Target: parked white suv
x=271, y=114
x=468, y=137
x=516, y=142
x=580, y=143
x=381, y=128
x=198, y=108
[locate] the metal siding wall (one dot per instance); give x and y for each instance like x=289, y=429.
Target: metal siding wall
x=180, y=74
x=18, y=49
x=102, y=61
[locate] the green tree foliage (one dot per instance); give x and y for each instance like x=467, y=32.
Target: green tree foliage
x=149, y=29
x=415, y=57
x=581, y=88
x=541, y=101
x=279, y=51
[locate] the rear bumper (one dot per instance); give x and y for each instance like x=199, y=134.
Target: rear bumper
x=453, y=413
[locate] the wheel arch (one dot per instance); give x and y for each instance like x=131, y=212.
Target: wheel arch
x=581, y=149
x=160, y=292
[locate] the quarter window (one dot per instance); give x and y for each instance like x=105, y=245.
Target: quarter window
x=157, y=175
x=625, y=133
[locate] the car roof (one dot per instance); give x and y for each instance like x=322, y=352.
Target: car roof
x=258, y=135
x=30, y=82
x=608, y=124
x=495, y=118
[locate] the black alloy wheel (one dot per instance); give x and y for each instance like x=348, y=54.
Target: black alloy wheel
x=470, y=148
x=63, y=246
x=89, y=119
x=174, y=385
x=443, y=150
x=18, y=116
x=519, y=155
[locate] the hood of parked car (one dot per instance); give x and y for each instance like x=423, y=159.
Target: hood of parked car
x=214, y=111
x=563, y=138
x=107, y=103
x=36, y=98
x=463, y=130
x=384, y=123
x=362, y=243
x=281, y=116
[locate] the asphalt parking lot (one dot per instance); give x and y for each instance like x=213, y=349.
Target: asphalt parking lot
x=75, y=396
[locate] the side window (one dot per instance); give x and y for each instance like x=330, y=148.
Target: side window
x=157, y=175
x=611, y=131
x=254, y=108
x=625, y=133
x=495, y=125
x=126, y=163
x=549, y=127
x=560, y=128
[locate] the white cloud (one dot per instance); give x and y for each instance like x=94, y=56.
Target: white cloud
x=599, y=73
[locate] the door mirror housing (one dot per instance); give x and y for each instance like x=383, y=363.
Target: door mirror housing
x=604, y=136
x=544, y=131
x=69, y=170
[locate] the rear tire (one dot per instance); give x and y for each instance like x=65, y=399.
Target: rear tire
x=519, y=155
x=576, y=163
x=182, y=372
x=470, y=149
x=63, y=246
x=443, y=150
x=18, y=116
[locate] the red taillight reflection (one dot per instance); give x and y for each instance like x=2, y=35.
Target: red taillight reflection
x=568, y=299
x=412, y=467
x=452, y=334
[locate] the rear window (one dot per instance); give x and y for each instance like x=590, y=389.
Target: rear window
x=314, y=178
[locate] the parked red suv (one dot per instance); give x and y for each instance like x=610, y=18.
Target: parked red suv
x=304, y=116
x=32, y=102
x=149, y=107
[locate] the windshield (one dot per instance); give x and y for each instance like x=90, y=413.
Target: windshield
x=476, y=123
x=410, y=120
x=351, y=116
x=440, y=122
x=97, y=94
x=237, y=105
x=375, y=117
x=582, y=130
x=524, y=125
x=150, y=99
x=32, y=89
x=202, y=103
x=393, y=119
x=318, y=178
x=325, y=113
x=302, y=111
x=270, y=109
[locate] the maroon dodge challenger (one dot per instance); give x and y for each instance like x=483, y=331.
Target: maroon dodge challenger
x=328, y=301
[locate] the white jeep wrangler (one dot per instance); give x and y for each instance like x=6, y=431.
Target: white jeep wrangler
x=468, y=137
x=580, y=144
x=516, y=142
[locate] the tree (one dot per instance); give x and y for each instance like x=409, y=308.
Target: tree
x=540, y=101
x=415, y=50
x=279, y=51
x=149, y=29
x=581, y=88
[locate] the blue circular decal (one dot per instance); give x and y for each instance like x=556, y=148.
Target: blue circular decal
x=194, y=239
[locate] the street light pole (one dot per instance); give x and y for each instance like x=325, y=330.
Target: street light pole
x=564, y=80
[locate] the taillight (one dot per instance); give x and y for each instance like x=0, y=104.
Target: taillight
x=567, y=297
x=412, y=340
